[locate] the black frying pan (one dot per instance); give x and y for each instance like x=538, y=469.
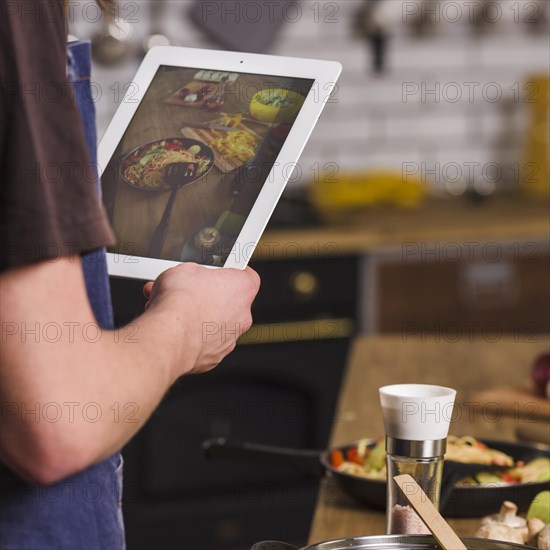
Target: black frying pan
x=471, y=501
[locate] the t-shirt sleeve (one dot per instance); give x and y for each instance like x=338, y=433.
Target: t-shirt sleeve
x=49, y=205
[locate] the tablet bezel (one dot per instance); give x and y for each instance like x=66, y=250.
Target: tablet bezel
x=323, y=73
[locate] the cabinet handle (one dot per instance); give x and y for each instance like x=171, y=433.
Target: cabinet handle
x=490, y=286
x=304, y=284
x=299, y=331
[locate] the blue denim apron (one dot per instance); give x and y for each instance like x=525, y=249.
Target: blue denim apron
x=82, y=512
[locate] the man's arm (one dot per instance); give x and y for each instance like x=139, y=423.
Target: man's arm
x=70, y=394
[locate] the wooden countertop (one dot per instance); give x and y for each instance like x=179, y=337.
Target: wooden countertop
x=452, y=220
x=467, y=366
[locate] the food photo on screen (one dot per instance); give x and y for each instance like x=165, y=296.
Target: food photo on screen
x=194, y=159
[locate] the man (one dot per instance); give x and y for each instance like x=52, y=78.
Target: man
x=63, y=375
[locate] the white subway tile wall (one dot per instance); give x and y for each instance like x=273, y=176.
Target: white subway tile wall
x=455, y=97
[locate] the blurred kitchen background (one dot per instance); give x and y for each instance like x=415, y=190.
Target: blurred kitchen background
x=419, y=207
x=423, y=82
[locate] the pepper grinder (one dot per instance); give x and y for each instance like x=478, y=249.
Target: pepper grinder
x=416, y=422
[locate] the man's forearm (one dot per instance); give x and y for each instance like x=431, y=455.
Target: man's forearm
x=72, y=394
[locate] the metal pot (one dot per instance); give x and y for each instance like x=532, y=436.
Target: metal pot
x=388, y=542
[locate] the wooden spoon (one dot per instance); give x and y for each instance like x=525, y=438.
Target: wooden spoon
x=423, y=506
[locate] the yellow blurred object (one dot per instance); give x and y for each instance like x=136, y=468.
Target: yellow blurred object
x=275, y=104
x=346, y=191
x=535, y=173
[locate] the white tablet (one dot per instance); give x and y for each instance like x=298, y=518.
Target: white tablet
x=198, y=154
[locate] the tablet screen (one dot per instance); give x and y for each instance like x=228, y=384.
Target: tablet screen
x=194, y=159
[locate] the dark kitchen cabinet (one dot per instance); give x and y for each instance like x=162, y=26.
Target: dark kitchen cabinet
x=279, y=387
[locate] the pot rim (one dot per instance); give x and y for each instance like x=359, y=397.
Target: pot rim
x=403, y=542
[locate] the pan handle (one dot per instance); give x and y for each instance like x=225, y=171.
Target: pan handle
x=307, y=461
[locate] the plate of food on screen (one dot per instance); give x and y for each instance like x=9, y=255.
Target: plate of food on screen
x=152, y=166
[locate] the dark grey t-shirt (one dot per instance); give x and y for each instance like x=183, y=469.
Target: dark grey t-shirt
x=48, y=203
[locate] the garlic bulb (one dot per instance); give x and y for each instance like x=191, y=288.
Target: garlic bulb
x=535, y=526
x=506, y=525
x=543, y=540
x=499, y=531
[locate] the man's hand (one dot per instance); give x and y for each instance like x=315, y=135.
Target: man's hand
x=217, y=300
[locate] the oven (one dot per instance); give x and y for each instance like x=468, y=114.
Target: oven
x=279, y=387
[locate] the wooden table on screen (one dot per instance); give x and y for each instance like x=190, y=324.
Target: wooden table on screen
x=467, y=366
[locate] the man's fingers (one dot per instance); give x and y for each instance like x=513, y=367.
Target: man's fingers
x=254, y=277
x=147, y=288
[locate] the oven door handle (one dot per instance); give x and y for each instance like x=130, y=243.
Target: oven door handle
x=305, y=460
x=325, y=328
